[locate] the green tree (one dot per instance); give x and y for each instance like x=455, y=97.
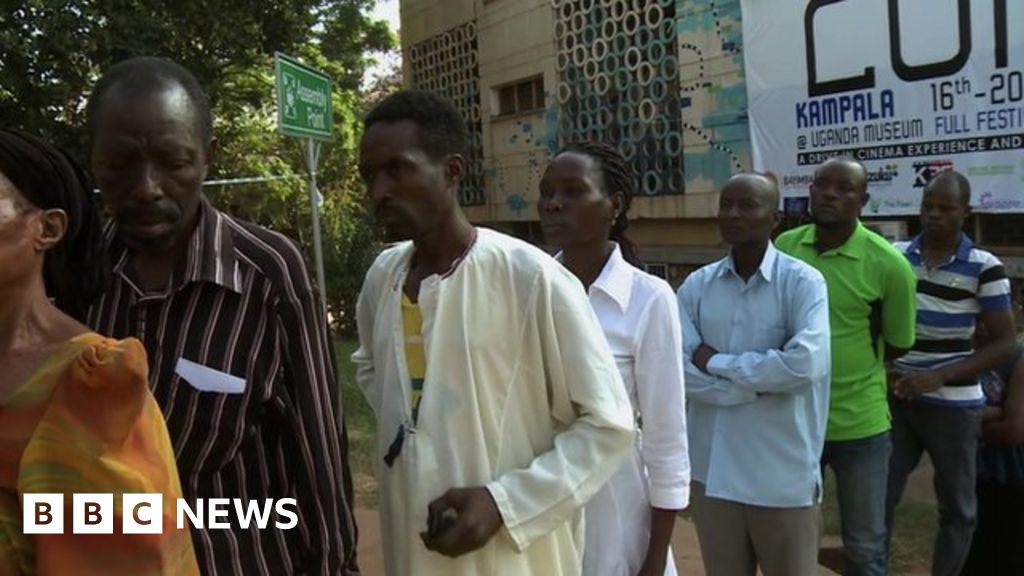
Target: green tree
x=52, y=52
x=255, y=147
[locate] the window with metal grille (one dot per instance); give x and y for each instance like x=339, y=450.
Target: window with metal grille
x=658, y=269
x=1001, y=229
x=448, y=64
x=525, y=96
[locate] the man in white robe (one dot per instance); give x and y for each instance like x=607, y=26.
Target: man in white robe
x=499, y=408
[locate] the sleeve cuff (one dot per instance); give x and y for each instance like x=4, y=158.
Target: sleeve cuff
x=904, y=344
x=508, y=516
x=719, y=364
x=995, y=303
x=670, y=498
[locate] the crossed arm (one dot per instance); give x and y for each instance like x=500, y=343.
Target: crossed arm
x=725, y=379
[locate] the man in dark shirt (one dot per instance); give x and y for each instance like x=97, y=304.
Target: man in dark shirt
x=240, y=360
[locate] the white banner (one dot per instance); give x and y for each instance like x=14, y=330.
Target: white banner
x=909, y=87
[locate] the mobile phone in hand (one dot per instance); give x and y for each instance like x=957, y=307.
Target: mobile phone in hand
x=439, y=522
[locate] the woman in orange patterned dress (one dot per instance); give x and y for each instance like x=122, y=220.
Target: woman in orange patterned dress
x=76, y=413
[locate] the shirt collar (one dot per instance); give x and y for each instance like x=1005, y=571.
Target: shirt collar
x=963, y=250
x=764, y=269
x=210, y=256
x=616, y=279
x=851, y=248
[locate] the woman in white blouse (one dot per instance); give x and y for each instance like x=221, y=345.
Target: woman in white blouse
x=584, y=196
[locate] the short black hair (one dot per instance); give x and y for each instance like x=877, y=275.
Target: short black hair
x=953, y=178
x=845, y=159
x=442, y=129
x=144, y=75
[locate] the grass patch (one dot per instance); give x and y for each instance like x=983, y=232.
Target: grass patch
x=361, y=427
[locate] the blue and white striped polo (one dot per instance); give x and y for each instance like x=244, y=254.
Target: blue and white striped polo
x=949, y=299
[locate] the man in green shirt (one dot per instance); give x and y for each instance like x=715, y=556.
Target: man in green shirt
x=872, y=314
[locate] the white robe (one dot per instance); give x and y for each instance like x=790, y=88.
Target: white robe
x=521, y=395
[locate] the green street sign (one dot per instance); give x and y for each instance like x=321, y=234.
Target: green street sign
x=303, y=100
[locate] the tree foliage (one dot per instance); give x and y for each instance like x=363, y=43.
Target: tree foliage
x=52, y=52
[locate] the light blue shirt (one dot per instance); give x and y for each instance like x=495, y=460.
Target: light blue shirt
x=756, y=423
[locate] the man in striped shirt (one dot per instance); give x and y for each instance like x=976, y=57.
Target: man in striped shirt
x=240, y=360
x=936, y=398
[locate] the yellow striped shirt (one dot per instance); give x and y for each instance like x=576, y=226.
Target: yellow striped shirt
x=415, y=359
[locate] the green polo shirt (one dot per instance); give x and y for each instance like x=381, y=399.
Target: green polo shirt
x=869, y=283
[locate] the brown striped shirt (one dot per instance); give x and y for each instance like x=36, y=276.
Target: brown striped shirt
x=242, y=303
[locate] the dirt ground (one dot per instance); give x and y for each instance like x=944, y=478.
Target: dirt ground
x=684, y=547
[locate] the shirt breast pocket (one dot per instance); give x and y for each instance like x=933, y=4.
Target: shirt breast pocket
x=769, y=330
x=206, y=379
x=776, y=337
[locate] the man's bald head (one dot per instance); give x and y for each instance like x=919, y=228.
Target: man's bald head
x=748, y=209
x=847, y=163
x=763, y=185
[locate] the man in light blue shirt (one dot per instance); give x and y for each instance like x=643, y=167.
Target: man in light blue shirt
x=757, y=357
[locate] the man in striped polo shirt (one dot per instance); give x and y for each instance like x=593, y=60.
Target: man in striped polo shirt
x=936, y=398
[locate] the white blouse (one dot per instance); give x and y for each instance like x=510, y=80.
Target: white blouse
x=640, y=318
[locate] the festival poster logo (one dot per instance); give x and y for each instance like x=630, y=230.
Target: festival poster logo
x=864, y=81
x=925, y=171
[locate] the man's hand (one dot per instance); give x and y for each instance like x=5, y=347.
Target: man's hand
x=477, y=519
x=892, y=376
x=1002, y=432
x=913, y=385
x=991, y=414
x=702, y=355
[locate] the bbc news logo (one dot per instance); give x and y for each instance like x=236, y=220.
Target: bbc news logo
x=144, y=513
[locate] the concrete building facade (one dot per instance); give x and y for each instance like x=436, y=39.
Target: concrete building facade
x=660, y=79
x=663, y=80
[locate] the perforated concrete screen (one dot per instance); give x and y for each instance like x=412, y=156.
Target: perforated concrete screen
x=619, y=83
x=448, y=64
